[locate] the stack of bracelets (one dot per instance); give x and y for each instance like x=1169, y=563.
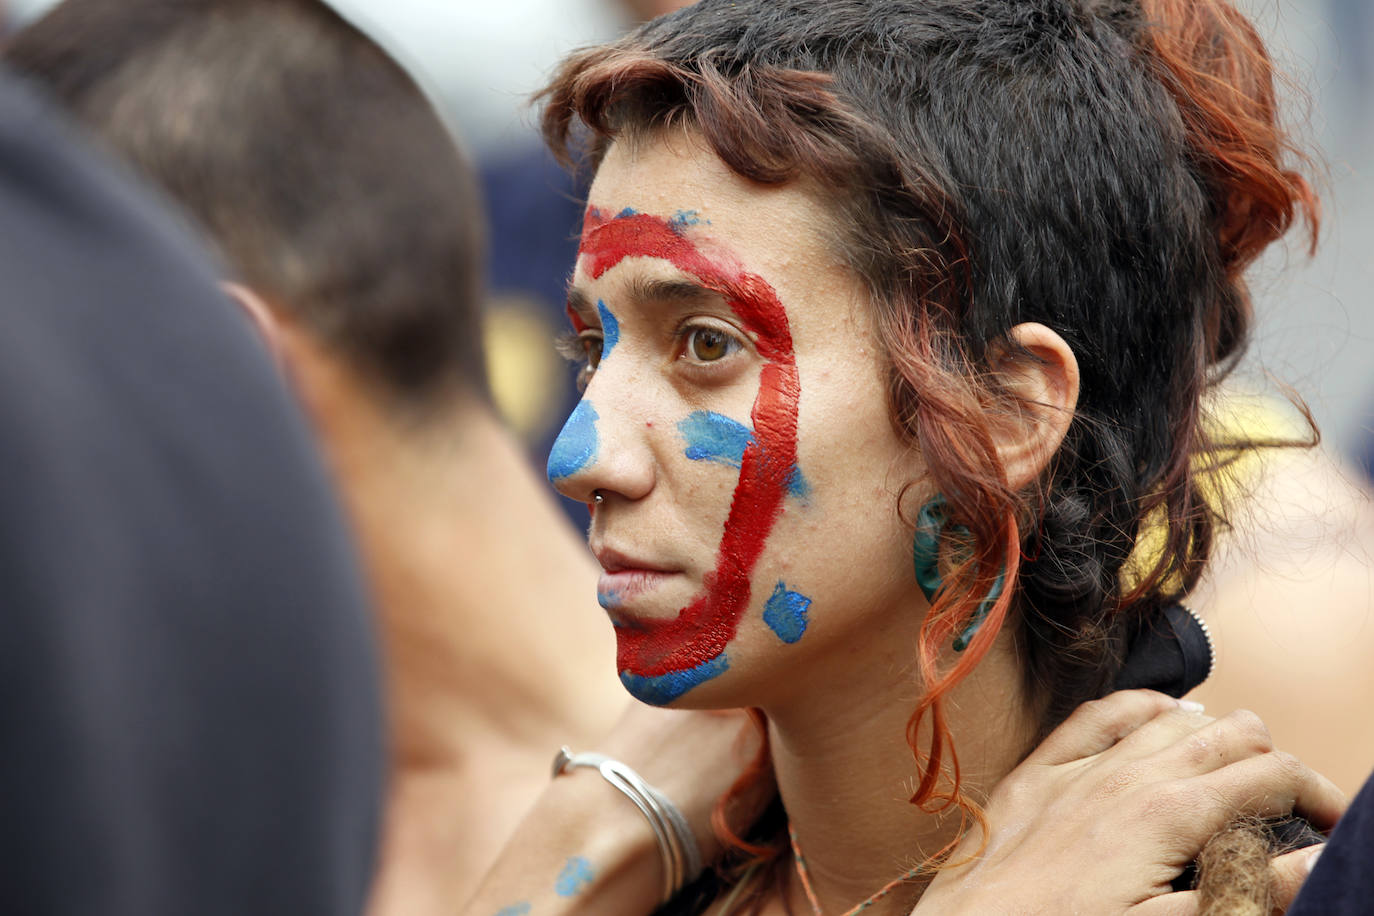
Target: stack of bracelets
x=676, y=844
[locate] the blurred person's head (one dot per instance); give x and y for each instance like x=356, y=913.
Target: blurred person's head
x=351, y=231
x=346, y=214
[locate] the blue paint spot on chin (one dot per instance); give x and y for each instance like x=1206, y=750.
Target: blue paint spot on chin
x=662, y=689
x=608, y=600
x=576, y=446
x=610, y=329
x=575, y=876
x=628, y=211
x=785, y=613
x=715, y=437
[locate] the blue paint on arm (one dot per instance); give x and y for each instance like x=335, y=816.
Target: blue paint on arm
x=515, y=909
x=574, y=877
x=576, y=446
x=785, y=613
x=715, y=437
x=610, y=329
x=662, y=689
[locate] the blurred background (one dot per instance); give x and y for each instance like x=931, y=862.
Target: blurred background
x=481, y=60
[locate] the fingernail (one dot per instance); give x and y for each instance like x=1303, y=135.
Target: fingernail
x=1190, y=706
x=1314, y=856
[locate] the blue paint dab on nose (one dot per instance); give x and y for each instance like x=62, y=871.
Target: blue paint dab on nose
x=575, y=876
x=662, y=689
x=610, y=329
x=785, y=613
x=628, y=211
x=576, y=446
x=715, y=437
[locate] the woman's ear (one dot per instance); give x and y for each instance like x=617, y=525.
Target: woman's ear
x=260, y=314
x=1040, y=370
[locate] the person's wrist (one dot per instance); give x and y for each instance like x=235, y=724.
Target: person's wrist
x=612, y=835
x=679, y=854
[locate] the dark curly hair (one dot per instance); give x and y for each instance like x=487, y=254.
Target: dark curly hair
x=1106, y=168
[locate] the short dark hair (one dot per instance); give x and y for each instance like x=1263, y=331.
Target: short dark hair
x=310, y=156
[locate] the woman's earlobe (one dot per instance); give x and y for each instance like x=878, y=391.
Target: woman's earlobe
x=1039, y=369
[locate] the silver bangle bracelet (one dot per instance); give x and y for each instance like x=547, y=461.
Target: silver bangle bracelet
x=676, y=844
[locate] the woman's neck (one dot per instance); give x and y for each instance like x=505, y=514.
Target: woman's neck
x=846, y=772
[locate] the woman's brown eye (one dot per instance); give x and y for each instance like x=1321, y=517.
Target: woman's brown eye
x=709, y=344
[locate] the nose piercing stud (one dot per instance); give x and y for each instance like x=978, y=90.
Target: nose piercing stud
x=597, y=498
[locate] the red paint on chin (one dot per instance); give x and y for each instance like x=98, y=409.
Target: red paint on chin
x=703, y=629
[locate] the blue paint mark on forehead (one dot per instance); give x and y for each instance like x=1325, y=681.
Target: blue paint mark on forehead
x=516, y=909
x=662, y=689
x=610, y=329
x=715, y=437
x=785, y=613
x=576, y=446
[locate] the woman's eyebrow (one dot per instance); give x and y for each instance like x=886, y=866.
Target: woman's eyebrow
x=645, y=289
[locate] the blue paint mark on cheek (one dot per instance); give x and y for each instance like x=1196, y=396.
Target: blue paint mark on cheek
x=662, y=689
x=785, y=613
x=515, y=909
x=684, y=218
x=610, y=329
x=715, y=437
x=576, y=446
x=574, y=877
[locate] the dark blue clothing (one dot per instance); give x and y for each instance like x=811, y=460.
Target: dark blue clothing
x=535, y=214
x=1342, y=883
x=189, y=700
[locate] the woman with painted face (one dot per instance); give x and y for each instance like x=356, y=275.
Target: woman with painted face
x=898, y=321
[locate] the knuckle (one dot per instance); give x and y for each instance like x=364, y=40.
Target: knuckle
x=1288, y=766
x=1199, y=752
x=1252, y=730
x=1117, y=713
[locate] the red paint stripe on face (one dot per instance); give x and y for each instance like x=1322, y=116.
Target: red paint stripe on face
x=578, y=324
x=703, y=629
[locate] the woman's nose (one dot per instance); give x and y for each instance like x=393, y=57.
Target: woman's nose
x=601, y=449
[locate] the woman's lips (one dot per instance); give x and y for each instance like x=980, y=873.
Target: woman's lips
x=614, y=589
x=626, y=578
